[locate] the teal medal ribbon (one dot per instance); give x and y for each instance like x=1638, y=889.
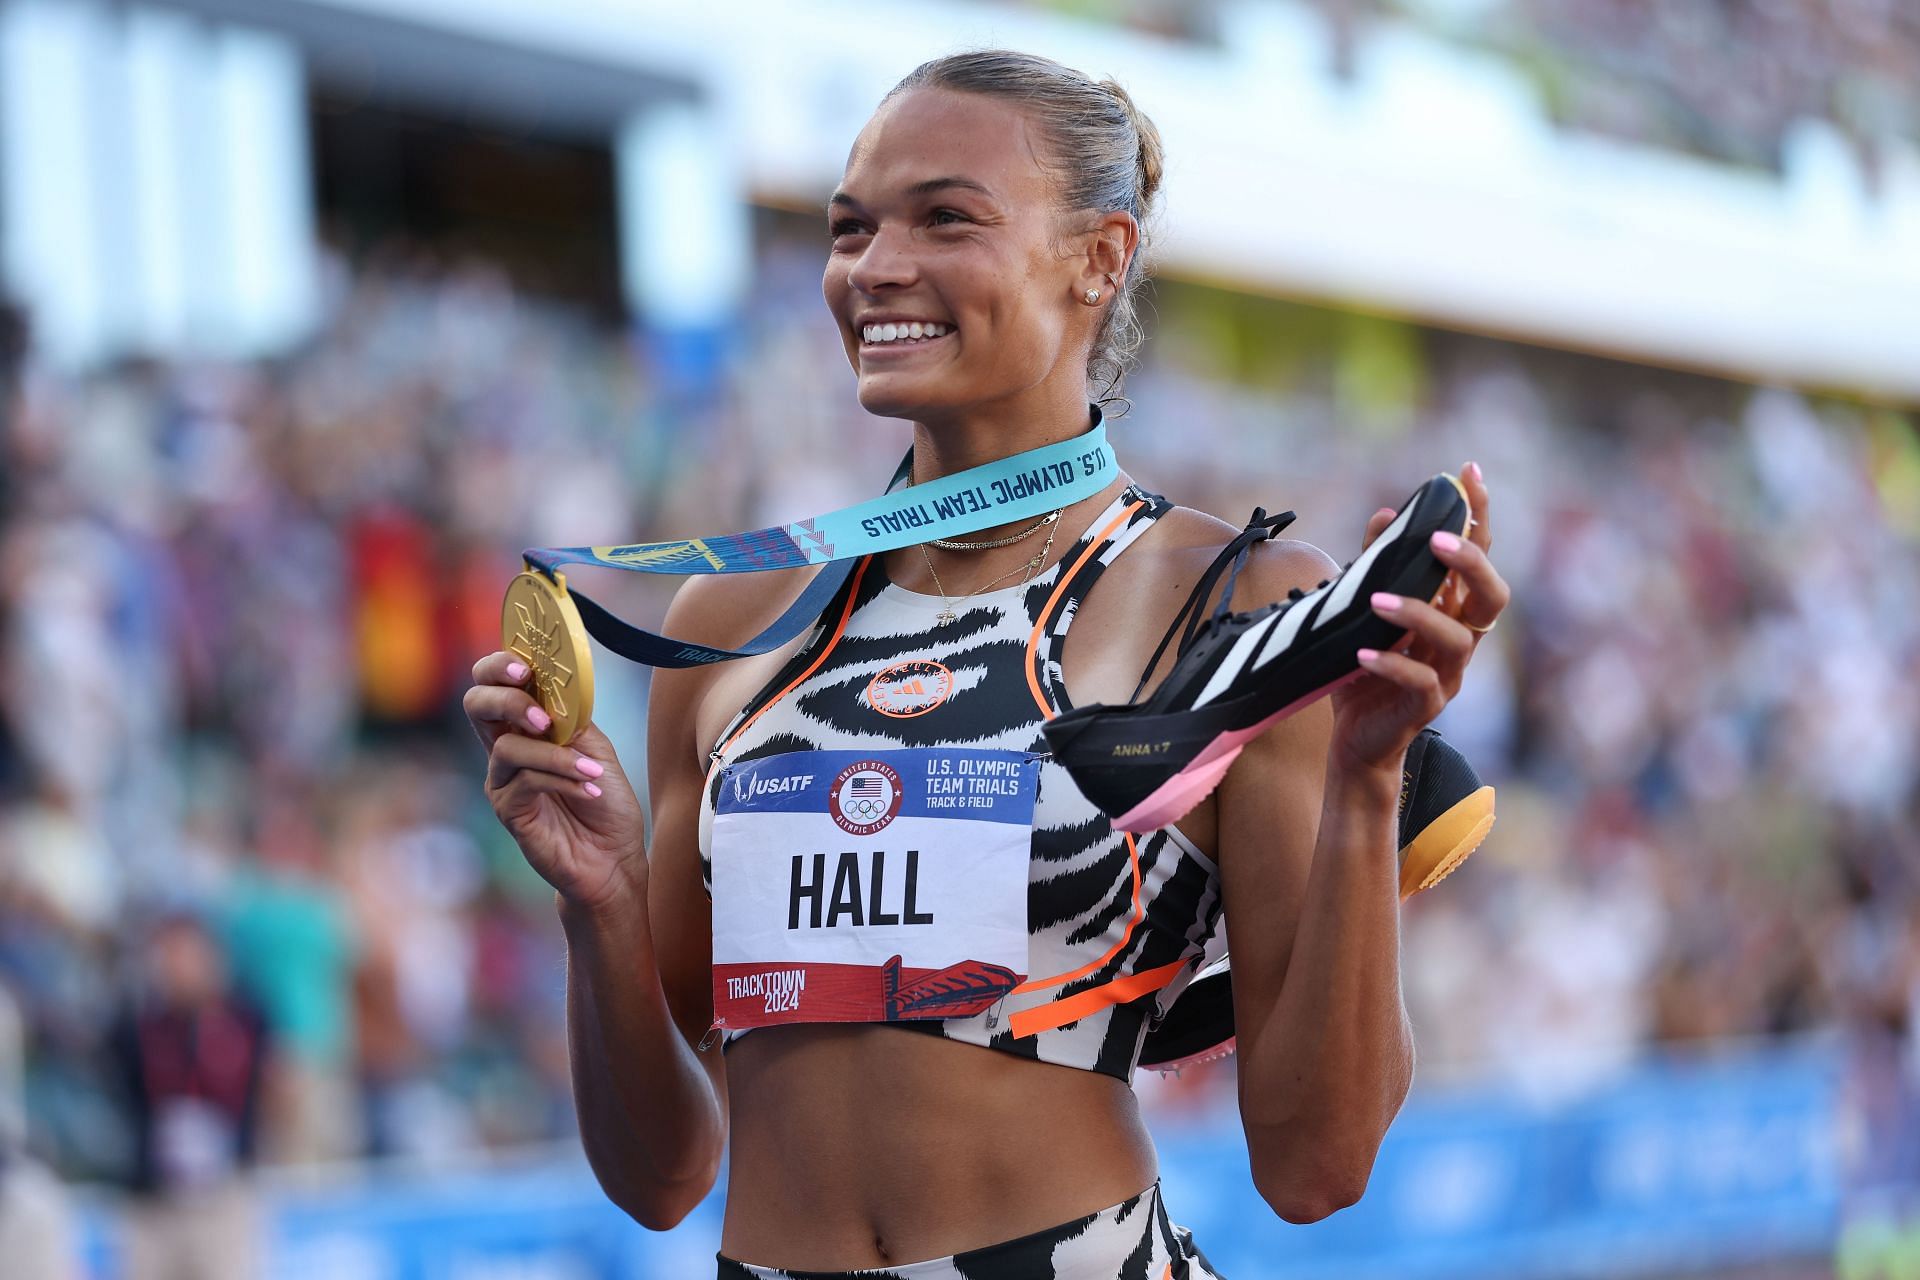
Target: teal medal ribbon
x=1019, y=487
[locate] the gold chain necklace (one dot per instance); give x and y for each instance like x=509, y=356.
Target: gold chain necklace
x=1032, y=567
x=954, y=544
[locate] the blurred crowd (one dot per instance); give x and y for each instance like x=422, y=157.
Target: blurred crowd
x=1719, y=78
x=1701, y=711
x=1723, y=78
x=238, y=606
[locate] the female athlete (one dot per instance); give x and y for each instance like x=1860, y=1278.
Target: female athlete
x=985, y=249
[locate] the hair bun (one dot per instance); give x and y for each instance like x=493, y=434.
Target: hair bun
x=1150, y=159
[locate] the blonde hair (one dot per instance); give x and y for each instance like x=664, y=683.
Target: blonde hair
x=1105, y=155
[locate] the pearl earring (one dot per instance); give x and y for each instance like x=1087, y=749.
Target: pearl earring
x=1092, y=296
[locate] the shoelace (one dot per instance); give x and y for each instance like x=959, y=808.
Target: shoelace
x=1229, y=561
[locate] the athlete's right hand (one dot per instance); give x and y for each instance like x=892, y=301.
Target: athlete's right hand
x=570, y=808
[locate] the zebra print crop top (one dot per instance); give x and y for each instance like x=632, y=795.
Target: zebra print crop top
x=1116, y=924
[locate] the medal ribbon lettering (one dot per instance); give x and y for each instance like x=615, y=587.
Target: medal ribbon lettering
x=545, y=621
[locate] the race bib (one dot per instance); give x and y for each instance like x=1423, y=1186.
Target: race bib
x=854, y=886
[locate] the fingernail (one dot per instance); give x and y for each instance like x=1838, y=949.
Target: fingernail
x=1386, y=601
x=1368, y=655
x=516, y=671
x=591, y=789
x=1472, y=470
x=1444, y=541
x=589, y=766
x=539, y=719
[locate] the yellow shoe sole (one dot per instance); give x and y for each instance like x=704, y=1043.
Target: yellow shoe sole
x=1438, y=851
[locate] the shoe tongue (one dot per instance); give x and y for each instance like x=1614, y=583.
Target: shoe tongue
x=1200, y=635
x=1213, y=623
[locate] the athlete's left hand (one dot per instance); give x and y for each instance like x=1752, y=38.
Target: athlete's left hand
x=1377, y=715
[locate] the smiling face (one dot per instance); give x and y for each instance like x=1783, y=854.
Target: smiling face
x=946, y=220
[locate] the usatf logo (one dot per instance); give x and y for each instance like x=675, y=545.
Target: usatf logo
x=908, y=689
x=865, y=797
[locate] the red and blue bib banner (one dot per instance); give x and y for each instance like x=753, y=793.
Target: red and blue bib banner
x=878, y=886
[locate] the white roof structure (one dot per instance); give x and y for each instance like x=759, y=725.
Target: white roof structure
x=1430, y=184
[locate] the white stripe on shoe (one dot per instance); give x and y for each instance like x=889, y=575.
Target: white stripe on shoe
x=1279, y=631
x=1236, y=660
x=1295, y=618
x=1348, y=584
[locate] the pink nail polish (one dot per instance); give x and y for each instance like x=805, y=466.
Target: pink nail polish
x=539, y=719
x=589, y=766
x=590, y=789
x=1473, y=473
x=1386, y=600
x=516, y=671
x=1445, y=541
x=1368, y=655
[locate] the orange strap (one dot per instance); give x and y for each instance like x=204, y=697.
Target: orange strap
x=1057, y=1013
x=1137, y=910
x=846, y=612
x=1053, y=602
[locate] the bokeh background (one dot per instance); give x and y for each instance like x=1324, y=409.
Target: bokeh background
x=319, y=310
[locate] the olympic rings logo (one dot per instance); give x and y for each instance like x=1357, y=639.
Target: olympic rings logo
x=866, y=796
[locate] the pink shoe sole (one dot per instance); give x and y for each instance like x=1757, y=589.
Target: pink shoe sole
x=1175, y=798
x=1222, y=1050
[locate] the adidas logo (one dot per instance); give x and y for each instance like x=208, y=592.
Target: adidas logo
x=910, y=688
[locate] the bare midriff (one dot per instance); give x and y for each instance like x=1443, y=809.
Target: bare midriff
x=872, y=1146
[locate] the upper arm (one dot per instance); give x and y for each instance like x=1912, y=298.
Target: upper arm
x=1268, y=809
x=723, y=612
x=678, y=911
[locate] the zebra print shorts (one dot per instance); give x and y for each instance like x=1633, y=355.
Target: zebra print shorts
x=1133, y=1239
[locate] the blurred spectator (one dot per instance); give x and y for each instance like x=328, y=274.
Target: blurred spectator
x=38, y=1234
x=287, y=928
x=192, y=1056
x=13, y=354
x=410, y=877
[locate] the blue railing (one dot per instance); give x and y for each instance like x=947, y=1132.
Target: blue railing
x=1675, y=1168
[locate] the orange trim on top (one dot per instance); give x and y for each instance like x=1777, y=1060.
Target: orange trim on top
x=1047, y=712
x=1059, y=587
x=839, y=627
x=1139, y=911
x=1082, y=1004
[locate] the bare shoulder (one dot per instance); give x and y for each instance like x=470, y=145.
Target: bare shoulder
x=1120, y=623
x=689, y=705
x=1280, y=565
x=725, y=611
x=728, y=609
x=1187, y=540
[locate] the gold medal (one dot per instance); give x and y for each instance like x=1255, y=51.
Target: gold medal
x=540, y=626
